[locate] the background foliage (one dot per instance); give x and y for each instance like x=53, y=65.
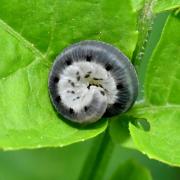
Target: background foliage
x=32, y=33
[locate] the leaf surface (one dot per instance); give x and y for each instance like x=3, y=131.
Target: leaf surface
x=164, y=5
x=162, y=99
x=32, y=34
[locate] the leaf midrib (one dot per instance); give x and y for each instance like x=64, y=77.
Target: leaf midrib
x=26, y=43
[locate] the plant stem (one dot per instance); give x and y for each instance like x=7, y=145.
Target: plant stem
x=98, y=159
x=145, y=22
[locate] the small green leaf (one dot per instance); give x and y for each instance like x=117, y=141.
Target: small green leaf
x=162, y=99
x=131, y=170
x=32, y=34
x=119, y=130
x=164, y=5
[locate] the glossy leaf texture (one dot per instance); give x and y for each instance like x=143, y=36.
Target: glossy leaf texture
x=52, y=26
x=32, y=34
x=138, y=4
x=164, y=5
x=162, y=99
x=131, y=170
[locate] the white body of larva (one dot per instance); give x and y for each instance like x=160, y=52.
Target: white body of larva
x=91, y=79
x=77, y=93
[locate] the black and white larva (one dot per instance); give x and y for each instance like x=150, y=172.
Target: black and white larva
x=90, y=80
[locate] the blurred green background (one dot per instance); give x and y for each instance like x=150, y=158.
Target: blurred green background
x=66, y=163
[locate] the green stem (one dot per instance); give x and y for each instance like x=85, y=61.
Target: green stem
x=145, y=22
x=98, y=159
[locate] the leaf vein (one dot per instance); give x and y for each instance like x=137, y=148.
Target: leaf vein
x=21, y=39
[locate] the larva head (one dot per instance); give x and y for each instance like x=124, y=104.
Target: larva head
x=92, y=79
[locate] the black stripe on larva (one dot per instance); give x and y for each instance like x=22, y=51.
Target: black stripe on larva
x=68, y=61
x=78, y=78
x=102, y=92
x=76, y=98
x=72, y=84
x=71, y=111
x=88, y=58
x=87, y=75
x=120, y=105
x=97, y=79
x=113, y=61
x=85, y=108
x=120, y=86
x=58, y=99
x=108, y=67
x=72, y=92
x=112, y=110
x=56, y=79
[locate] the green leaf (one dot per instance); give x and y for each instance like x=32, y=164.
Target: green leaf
x=164, y=5
x=51, y=26
x=32, y=33
x=119, y=132
x=162, y=99
x=45, y=163
x=131, y=170
x=137, y=4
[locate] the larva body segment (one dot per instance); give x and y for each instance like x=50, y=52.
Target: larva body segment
x=91, y=79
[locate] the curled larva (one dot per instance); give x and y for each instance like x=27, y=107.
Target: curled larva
x=90, y=80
